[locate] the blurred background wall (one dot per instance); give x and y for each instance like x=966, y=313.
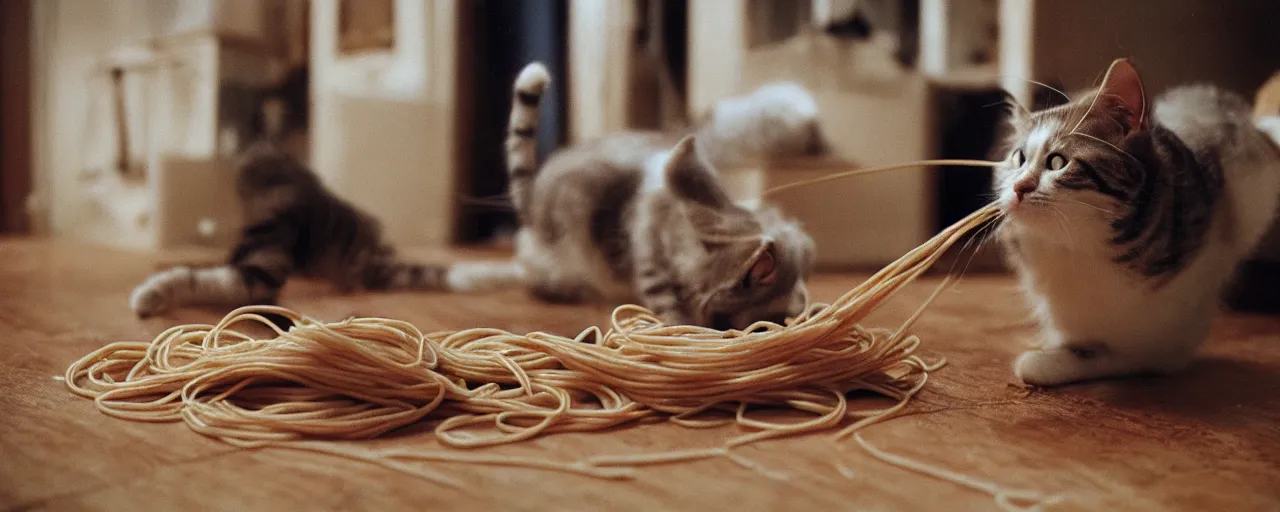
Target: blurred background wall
x=406, y=100
x=1232, y=44
x=172, y=55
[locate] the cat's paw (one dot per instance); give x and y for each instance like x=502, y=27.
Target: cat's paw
x=1047, y=368
x=153, y=296
x=147, y=301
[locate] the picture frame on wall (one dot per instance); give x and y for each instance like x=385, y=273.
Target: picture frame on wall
x=366, y=26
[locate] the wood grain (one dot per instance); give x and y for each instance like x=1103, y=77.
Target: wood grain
x=1208, y=440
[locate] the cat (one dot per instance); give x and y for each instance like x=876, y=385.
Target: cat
x=643, y=217
x=1126, y=218
x=293, y=225
x=282, y=114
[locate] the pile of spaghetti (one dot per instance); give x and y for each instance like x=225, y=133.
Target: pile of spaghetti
x=362, y=377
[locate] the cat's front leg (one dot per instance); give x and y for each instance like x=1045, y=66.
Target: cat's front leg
x=659, y=292
x=224, y=285
x=1058, y=364
x=663, y=299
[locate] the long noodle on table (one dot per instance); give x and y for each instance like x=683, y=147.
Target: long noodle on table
x=362, y=377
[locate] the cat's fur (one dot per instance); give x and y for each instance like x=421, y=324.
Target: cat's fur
x=1125, y=247
x=630, y=218
x=293, y=225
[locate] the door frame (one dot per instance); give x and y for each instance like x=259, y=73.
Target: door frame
x=15, y=116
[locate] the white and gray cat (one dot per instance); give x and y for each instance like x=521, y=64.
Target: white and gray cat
x=643, y=217
x=624, y=218
x=1125, y=219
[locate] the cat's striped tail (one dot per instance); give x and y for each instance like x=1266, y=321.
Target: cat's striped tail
x=470, y=276
x=522, y=135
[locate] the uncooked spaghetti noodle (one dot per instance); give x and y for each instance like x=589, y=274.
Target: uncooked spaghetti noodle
x=874, y=170
x=1008, y=499
x=362, y=377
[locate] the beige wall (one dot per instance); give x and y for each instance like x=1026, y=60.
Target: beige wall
x=1235, y=43
x=383, y=125
x=72, y=41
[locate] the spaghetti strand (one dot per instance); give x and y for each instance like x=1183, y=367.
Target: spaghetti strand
x=363, y=377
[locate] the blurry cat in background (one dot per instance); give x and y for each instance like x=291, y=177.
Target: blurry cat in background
x=293, y=225
x=283, y=114
x=1126, y=218
x=620, y=219
x=643, y=217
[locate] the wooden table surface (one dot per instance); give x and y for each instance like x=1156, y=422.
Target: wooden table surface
x=1207, y=440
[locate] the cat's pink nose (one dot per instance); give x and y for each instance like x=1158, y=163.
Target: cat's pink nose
x=1023, y=187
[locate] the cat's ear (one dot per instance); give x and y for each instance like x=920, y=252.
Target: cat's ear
x=691, y=178
x=762, y=269
x=1124, y=85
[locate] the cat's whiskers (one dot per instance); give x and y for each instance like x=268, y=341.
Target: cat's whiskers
x=1065, y=223
x=983, y=235
x=1076, y=128
x=1041, y=84
x=964, y=247
x=1051, y=88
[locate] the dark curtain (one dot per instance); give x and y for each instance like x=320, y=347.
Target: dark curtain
x=969, y=126
x=507, y=34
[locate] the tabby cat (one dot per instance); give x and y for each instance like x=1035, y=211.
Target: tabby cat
x=642, y=216
x=293, y=225
x=621, y=219
x=1126, y=219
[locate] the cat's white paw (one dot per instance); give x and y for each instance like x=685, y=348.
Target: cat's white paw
x=153, y=296
x=148, y=301
x=1052, y=368
x=1064, y=365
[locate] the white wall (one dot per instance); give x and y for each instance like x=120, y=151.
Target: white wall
x=600, y=38
x=717, y=47
x=383, y=125
x=72, y=39
x=1234, y=43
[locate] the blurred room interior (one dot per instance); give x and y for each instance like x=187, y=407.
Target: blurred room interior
x=120, y=118
x=120, y=122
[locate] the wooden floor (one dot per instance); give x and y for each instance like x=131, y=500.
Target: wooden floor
x=1208, y=440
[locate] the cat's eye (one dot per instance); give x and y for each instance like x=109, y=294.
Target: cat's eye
x=1056, y=162
x=1018, y=158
